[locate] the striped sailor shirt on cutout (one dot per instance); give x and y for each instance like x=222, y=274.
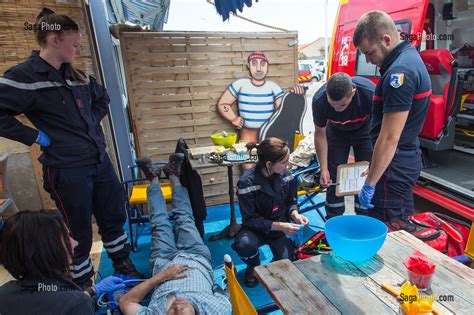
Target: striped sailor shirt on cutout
x=256, y=103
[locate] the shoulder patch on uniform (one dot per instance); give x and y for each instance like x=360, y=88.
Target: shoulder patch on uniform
x=396, y=80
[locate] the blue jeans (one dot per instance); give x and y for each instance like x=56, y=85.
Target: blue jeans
x=167, y=241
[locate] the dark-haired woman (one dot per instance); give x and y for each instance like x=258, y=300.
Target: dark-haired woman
x=66, y=107
x=39, y=259
x=268, y=202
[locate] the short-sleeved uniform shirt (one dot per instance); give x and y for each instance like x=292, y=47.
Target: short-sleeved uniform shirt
x=256, y=103
x=405, y=85
x=354, y=119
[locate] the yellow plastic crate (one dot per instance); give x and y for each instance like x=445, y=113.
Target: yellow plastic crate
x=138, y=196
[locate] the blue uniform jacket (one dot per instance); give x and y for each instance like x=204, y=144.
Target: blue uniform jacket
x=405, y=85
x=266, y=200
x=67, y=110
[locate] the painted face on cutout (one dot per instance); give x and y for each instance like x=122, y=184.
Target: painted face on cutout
x=258, y=69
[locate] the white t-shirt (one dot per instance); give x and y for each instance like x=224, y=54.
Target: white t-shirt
x=256, y=103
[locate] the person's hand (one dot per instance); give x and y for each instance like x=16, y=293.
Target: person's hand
x=300, y=219
x=175, y=272
x=108, y=284
x=289, y=228
x=298, y=89
x=238, y=122
x=365, y=172
x=365, y=196
x=325, y=179
x=43, y=139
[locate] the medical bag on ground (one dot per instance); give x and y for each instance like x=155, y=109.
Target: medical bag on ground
x=442, y=232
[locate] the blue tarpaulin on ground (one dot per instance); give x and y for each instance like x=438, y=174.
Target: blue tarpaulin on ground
x=224, y=7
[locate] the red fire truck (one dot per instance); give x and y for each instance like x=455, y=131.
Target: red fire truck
x=443, y=32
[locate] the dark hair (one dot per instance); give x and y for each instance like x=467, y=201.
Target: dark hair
x=372, y=26
x=36, y=244
x=270, y=150
x=48, y=22
x=339, y=86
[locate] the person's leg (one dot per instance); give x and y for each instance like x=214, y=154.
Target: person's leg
x=246, y=245
x=162, y=243
x=362, y=152
x=393, y=197
x=338, y=153
x=109, y=211
x=71, y=189
x=188, y=238
x=282, y=248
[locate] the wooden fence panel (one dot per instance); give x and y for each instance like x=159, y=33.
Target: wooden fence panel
x=175, y=80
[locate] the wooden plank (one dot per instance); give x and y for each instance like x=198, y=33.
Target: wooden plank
x=248, y=48
x=214, y=88
x=167, y=83
x=196, y=41
x=235, y=55
x=260, y=35
x=344, y=285
x=291, y=290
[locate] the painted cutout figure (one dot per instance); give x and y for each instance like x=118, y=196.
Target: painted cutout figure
x=257, y=98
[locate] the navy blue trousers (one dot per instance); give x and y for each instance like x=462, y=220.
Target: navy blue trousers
x=394, y=191
x=79, y=193
x=339, y=147
x=247, y=244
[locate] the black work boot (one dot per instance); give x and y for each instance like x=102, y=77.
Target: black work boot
x=250, y=280
x=124, y=266
x=146, y=165
x=174, y=165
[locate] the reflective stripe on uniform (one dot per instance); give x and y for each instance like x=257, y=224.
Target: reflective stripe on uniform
x=110, y=246
x=356, y=205
x=334, y=205
x=40, y=85
x=116, y=241
x=75, y=83
x=30, y=86
x=248, y=189
x=288, y=178
x=76, y=268
x=250, y=257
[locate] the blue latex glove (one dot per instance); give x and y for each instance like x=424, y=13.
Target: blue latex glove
x=109, y=284
x=296, y=238
x=43, y=139
x=365, y=196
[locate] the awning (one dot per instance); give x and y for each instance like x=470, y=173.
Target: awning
x=143, y=12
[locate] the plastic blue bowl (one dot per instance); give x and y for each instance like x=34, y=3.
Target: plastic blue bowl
x=355, y=237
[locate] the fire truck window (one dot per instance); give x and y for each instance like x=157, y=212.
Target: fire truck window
x=365, y=69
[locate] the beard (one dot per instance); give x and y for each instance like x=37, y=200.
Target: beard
x=385, y=51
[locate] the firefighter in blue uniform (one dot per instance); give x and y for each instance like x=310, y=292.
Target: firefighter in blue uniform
x=400, y=105
x=267, y=199
x=66, y=106
x=342, y=117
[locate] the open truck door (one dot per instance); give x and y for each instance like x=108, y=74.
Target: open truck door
x=446, y=179
x=407, y=14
